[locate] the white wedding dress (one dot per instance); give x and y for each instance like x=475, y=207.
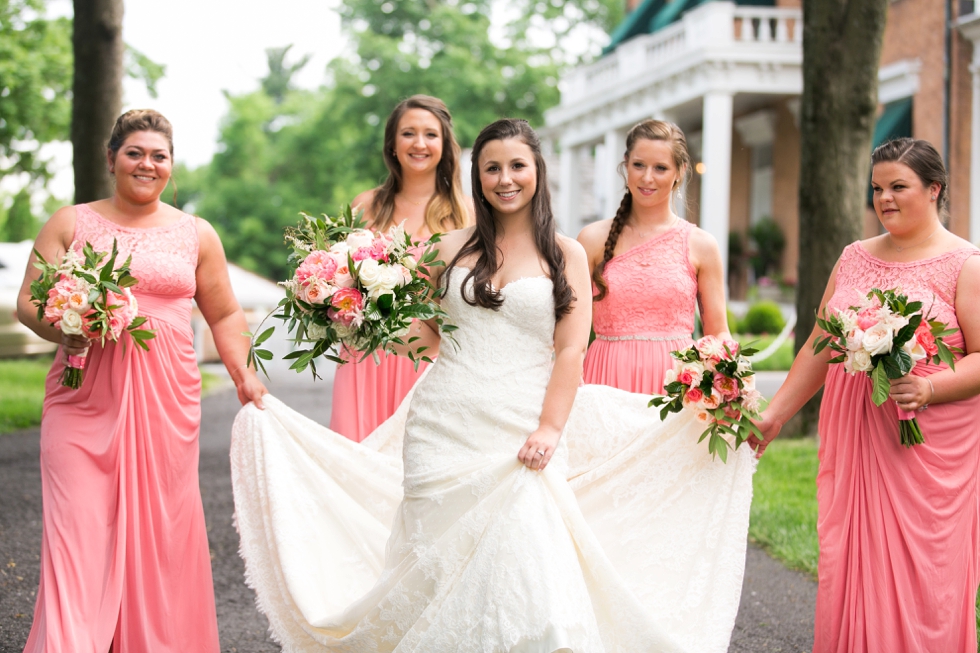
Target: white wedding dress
x=431, y=537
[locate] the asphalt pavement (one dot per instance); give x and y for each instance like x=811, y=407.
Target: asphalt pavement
x=775, y=614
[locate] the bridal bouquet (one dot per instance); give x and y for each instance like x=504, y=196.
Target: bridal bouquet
x=884, y=337
x=353, y=289
x=81, y=297
x=714, y=379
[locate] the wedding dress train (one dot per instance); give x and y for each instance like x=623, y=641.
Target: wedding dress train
x=430, y=536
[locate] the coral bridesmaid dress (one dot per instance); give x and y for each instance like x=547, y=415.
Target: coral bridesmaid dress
x=647, y=313
x=124, y=551
x=899, y=528
x=365, y=394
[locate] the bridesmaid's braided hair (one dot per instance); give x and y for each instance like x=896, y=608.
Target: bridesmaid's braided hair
x=654, y=130
x=483, y=241
x=925, y=162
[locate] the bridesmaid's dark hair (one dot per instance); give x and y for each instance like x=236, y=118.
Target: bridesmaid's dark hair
x=447, y=209
x=925, y=162
x=654, y=130
x=483, y=241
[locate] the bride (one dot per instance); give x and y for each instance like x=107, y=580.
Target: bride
x=503, y=508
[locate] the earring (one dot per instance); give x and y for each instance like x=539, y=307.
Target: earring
x=933, y=198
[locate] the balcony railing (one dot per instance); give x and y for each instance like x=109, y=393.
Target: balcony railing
x=751, y=31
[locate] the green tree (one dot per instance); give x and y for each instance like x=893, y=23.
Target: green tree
x=279, y=81
x=20, y=223
x=35, y=85
x=836, y=125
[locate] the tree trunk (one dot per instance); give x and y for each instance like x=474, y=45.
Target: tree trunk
x=841, y=50
x=97, y=92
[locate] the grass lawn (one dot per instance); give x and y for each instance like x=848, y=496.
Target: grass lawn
x=780, y=360
x=22, y=391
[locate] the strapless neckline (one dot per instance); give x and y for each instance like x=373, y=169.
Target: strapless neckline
x=538, y=277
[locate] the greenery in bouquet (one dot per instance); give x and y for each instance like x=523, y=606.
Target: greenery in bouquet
x=714, y=379
x=884, y=337
x=353, y=292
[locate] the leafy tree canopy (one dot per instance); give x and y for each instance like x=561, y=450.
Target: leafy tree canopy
x=282, y=151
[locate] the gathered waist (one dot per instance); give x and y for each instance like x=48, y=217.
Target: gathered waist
x=646, y=337
x=173, y=310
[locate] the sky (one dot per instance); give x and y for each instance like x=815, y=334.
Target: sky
x=207, y=47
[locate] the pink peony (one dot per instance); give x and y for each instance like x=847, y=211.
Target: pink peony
x=732, y=349
x=317, y=291
x=726, y=386
x=867, y=318
x=347, y=304
x=924, y=337
x=318, y=265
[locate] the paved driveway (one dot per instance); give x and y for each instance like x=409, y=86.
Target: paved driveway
x=776, y=612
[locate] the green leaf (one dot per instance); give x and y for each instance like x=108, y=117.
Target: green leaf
x=880, y=386
x=264, y=336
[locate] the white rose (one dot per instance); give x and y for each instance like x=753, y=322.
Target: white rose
x=410, y=262
x=359, y=238
x=877, y=339
x=369, y=273
x=670, y=376
x=341, y=250
x=861, y=361
x=71, y=322
x=391, y=278
x=316, y=331
x=915, y=350
x=855, y=339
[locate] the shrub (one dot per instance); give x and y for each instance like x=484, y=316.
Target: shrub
x=763, y=317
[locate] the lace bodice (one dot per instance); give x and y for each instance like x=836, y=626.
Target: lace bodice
x=652, y=288
x=164, y=258
x=931, y=281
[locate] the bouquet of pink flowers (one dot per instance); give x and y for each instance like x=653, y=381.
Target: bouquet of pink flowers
x=714, y=379
x=353, y=289
x=83, y=298
x=884, y=337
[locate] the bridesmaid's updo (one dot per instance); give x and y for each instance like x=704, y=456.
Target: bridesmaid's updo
x=140, y=120
x=923, y=159
x=654, y=130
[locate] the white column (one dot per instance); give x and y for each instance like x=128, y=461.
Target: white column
x=568, y=217
x=716, y=154
x=613, y=186
x=975, y=157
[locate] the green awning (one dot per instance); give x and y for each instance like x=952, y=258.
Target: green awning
x=894, y=122
x=653, y=15
x=636, y=22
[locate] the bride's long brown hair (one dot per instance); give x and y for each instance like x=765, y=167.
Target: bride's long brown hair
x=483, y=241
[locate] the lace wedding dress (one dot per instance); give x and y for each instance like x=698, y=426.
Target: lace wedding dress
x=430, y=536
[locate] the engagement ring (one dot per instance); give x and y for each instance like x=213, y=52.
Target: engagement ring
x=539, y=452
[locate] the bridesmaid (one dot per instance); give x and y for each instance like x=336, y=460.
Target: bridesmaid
x=899, y=528
x=651, y=270
x=125, y=563
x=422, y=192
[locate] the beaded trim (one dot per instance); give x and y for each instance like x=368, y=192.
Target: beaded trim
x=675, y=336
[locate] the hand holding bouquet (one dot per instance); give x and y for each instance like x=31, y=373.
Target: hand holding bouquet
x=884, y=337
x=714, y=379
x=82, y=298
x=354, y=289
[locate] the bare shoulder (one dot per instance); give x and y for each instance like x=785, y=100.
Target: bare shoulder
x=702, y=241
x=204, y=228
x=451, y=242
x=363, y=202
x=575, y=253
x=595, y=234
x=59, y=230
